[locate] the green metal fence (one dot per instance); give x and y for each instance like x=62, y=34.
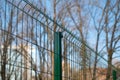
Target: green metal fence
x=32, y=49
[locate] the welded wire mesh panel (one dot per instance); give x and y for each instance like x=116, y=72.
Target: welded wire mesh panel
x=26, y=43
x=27, y=46
x=78, y=60
x=71, y=58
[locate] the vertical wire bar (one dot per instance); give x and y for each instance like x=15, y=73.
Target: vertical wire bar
x=47, y=49
x=51, y=55
x=44, y=51
x=10, y=43
x=40, y=52
x=79, y=64
x=27, y=68
x=22, y=46
x=70, y=61
x=64, y=60
x=66, y=57
x=36, y=62
x=4, y=55
x=31, y=48
x=16, y=35
x=76, y=61
x=69, y=53
x=73, y=59
x=73, y=62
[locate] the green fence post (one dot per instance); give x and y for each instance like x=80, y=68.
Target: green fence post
x=114, y=75
x=57, y=56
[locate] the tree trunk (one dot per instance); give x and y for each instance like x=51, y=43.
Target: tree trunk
x=94, y=70
x=3, y=67
x=96, y=57
x=83, y=51
x=3, y=70
x=109, y=69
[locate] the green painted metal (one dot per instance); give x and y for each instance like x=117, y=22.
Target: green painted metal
x=114, y=73
x=57, y=56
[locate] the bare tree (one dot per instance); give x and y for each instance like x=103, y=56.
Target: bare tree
x=111, y=28
x=98, y=26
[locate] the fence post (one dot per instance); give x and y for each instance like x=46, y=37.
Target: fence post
x=57, y=56
x=114, y=75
